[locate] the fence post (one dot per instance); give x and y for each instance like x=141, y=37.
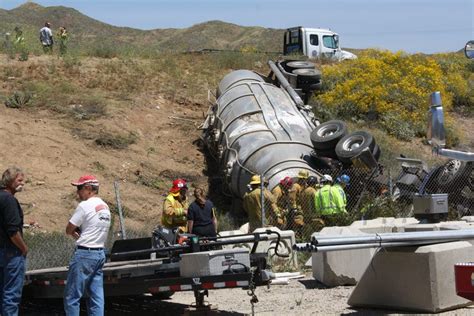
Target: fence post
x=262, y=200
x=119, y=207
x=390, y=183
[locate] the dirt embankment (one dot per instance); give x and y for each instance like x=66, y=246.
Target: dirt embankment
x=54, y=149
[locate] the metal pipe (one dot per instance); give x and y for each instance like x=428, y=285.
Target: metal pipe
x=285, y=84
x=394, y=237
x=312, y=248
x=119, y=207
x=249, y=238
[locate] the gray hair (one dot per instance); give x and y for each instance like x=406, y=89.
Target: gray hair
x=9, y=176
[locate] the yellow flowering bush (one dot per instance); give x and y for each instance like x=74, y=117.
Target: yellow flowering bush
x=390, y=88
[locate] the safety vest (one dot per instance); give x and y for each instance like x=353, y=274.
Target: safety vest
x=325, y=200
x=173, y=212
x=342, y=194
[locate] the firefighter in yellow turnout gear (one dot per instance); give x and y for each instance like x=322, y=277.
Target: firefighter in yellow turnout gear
x=296, y=218
x=252, y=205
x=175, y=207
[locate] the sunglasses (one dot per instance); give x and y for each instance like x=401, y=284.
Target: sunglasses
x=80, y=187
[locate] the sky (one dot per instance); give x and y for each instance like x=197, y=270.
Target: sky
x=427, y=26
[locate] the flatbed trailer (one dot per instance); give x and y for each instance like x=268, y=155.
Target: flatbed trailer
x=133, y=278
x=161, y=276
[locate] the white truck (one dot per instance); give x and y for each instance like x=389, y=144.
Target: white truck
x=314, y=43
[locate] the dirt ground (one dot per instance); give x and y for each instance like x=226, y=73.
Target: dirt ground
x=54, y=150
x=300, y=297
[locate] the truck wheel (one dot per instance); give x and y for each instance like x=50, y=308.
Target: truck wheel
x=292, y=65
x=328, y=134
x=353, y=144
x=452, y=173
x=307, y=75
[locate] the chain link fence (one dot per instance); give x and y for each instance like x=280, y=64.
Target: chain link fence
x=368, y=195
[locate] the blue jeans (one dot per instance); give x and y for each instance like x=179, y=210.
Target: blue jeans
x=12, y=275
x=85, y=277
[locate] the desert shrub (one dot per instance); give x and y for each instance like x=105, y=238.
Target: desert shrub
x=381, y=84
x=103, y=50
x=89, y=107
x=152, y=182
x=457, y=75
x=397, y=127
x=119, y=141
x=18, y=100
x=71, y=62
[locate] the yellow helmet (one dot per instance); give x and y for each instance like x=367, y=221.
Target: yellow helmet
x=255, y=179
x=303, y=174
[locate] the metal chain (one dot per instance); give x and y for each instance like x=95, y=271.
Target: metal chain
x=251, y=291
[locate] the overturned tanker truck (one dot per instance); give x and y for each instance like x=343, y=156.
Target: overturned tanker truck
x=262, y=125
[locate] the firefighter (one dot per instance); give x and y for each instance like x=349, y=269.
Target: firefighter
x=295, y=217
x=175, y=207
x=282, y=196
x=253, y=207
x=307, y=198
x=328, y=201
x=299, y=187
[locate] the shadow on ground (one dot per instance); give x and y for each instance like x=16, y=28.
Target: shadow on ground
x=139, y=305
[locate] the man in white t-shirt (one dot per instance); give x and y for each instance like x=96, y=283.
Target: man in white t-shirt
x=89, y=225
x=46, y=38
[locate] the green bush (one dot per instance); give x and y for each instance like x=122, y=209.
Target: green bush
x=388, y=87
x=116, y=141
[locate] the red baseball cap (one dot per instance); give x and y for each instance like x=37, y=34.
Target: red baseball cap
x=86, y=179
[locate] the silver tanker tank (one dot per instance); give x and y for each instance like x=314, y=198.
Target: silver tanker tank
x=255, y=127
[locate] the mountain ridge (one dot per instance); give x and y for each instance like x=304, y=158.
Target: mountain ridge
x=212, y=34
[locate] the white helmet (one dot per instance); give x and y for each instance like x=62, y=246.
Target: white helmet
x=326, y=178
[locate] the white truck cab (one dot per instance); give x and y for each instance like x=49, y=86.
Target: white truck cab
x=314, y=43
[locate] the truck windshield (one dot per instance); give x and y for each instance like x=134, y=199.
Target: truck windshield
x=330, y=41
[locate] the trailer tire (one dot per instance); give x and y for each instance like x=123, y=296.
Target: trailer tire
x=452, y=172
x=298, y=64
x=353, y=144
x=327, y=135
x=307, y=75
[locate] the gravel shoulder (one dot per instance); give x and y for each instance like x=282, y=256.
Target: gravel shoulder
x=300, y=297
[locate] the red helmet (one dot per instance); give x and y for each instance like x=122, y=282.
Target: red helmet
x=286, y=182
x=178, y=184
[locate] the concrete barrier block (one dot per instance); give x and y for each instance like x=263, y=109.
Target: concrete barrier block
x=384, y=224
x=454, y=225
x=469, y=219
x=413, y=278
x=421, y=228
x=340, y=267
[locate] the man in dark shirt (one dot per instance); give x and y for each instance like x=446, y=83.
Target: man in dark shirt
x=13, y=249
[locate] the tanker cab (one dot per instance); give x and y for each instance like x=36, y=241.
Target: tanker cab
x=314, y=43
